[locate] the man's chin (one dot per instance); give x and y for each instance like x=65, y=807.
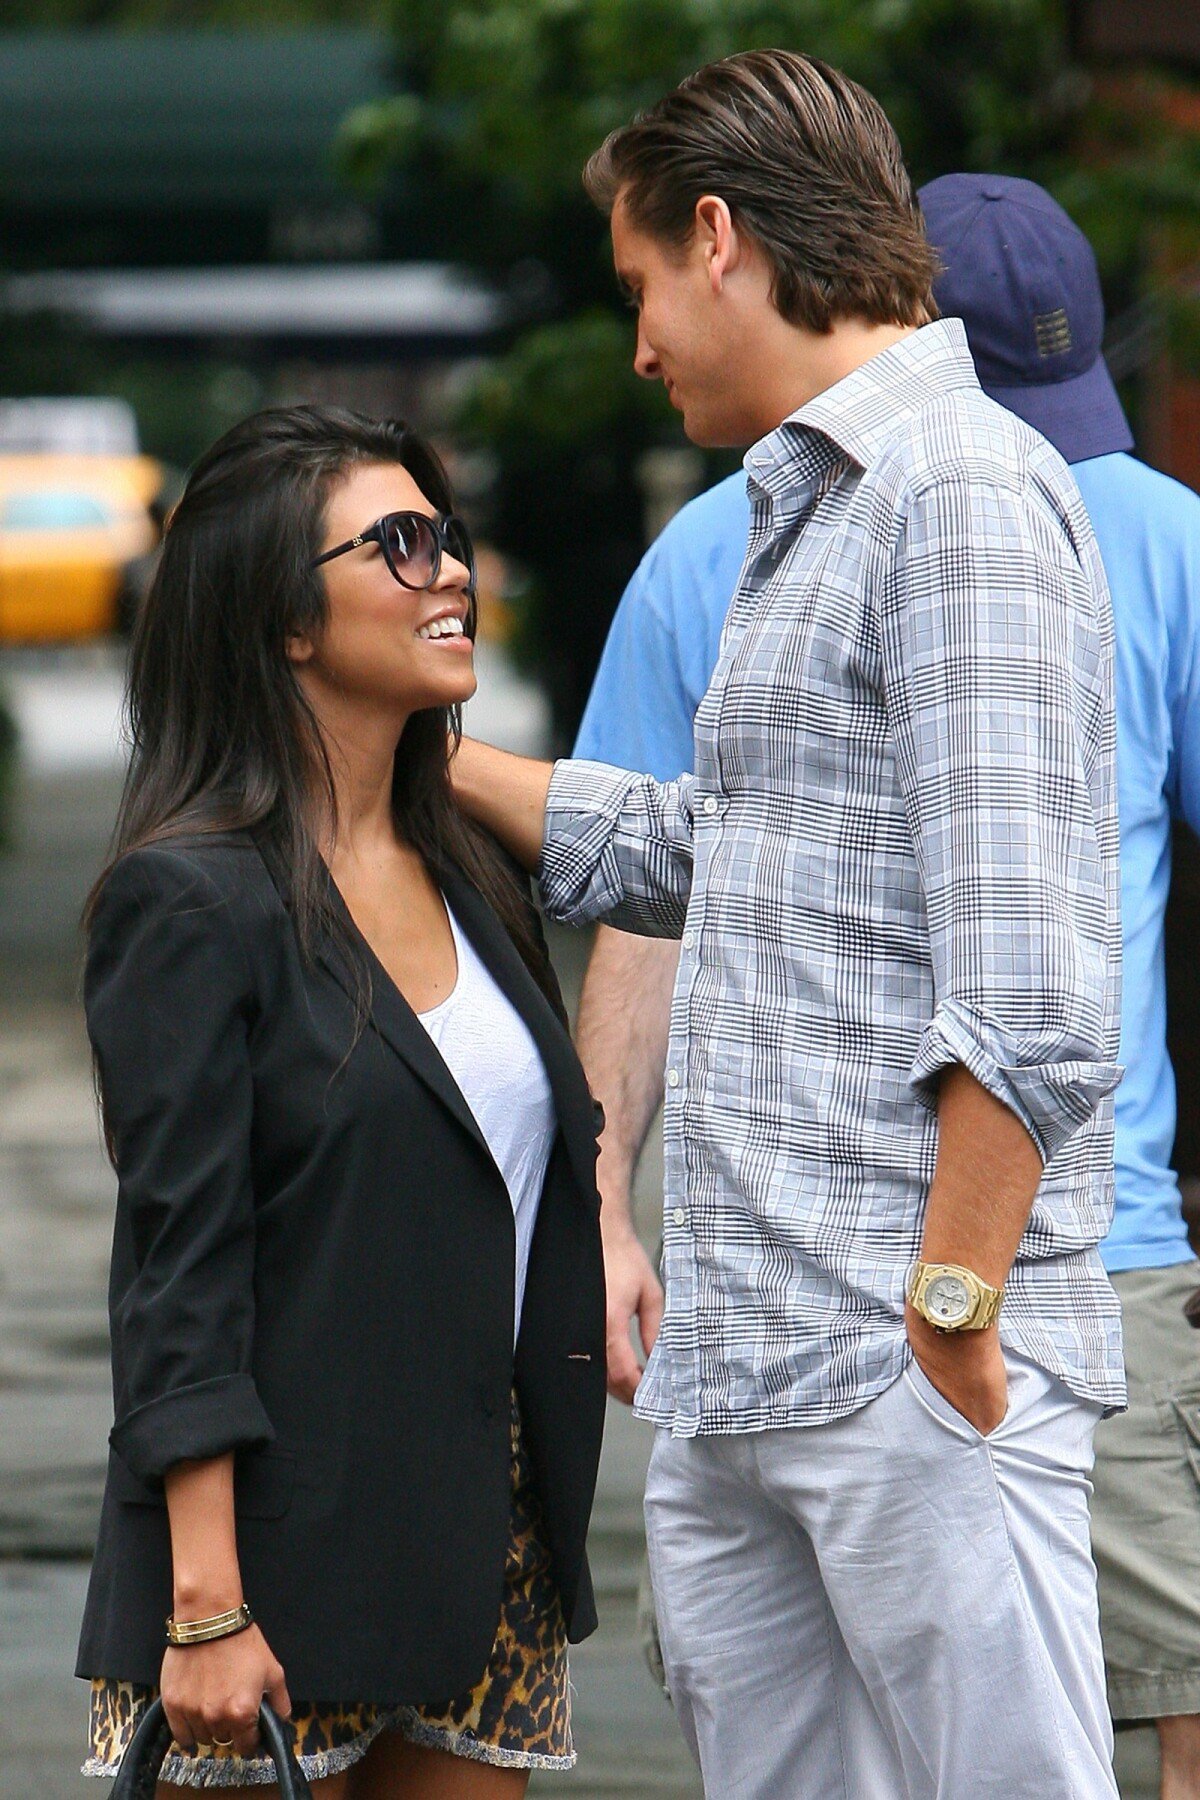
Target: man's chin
x=708, y=433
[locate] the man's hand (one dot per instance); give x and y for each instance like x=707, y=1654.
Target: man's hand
x=622, y=1036
x=984, y=1181
x=966, y=1368
x=634, y=1292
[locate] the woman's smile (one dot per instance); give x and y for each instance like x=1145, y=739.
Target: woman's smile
x=447, y=629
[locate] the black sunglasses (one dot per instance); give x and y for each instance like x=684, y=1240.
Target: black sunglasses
x=413, y=545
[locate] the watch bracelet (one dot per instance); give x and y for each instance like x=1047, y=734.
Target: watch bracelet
x=922, y=1273
x=182, y=1635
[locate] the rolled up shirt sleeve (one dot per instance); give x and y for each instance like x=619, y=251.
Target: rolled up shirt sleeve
x=617, y=847
x=169, y=1001
x=997, y=658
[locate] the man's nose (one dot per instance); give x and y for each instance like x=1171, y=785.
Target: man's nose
x=645, y=359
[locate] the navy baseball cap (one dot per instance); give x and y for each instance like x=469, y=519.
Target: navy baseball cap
x=1022, y=278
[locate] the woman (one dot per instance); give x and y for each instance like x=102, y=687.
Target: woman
x=356, y=1157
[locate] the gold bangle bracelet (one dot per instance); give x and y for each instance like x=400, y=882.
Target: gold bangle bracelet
x=182, y=1632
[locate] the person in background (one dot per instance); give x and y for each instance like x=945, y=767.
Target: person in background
x=895, y=880
x=1012, y=255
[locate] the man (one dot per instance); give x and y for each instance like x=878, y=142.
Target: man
x=894, y=876
x=1008, y=250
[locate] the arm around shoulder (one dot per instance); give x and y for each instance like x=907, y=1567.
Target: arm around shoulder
x=604, y=843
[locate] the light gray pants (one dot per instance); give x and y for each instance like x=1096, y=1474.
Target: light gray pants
x=890, y=1607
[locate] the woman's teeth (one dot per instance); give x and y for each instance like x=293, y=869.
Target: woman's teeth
x=440, y=628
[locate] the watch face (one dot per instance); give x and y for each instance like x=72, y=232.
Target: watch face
x=947, y=1299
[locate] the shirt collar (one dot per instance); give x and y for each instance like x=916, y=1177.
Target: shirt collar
x=856, y=416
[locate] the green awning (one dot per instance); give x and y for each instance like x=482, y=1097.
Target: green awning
x=179, y=119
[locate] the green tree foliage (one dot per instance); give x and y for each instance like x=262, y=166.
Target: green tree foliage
x=565, y=421
x=528, y=87
x=501, y=101
x=189, y=15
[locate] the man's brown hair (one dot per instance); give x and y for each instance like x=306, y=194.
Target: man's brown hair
x=808, y=164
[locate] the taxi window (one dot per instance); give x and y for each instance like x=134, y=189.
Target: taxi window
x=52, y=511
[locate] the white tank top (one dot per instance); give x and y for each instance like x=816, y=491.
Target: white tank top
x=488, y=1048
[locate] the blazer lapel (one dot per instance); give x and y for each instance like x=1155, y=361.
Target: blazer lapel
x=389, y=1013
x=396, y=1022
x=398, y=1025
x=572, y=1097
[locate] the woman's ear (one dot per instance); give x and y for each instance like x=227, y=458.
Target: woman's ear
x=298, y=647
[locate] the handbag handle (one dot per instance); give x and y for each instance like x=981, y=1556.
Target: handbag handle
x=149, y=1744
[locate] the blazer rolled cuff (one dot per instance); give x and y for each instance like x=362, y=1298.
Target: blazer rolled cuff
x=209, y=1418
x=1052, y=1099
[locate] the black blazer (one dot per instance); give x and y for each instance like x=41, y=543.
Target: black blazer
x=313, y=1266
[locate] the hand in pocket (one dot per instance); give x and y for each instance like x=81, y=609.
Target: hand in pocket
x=966, y=1367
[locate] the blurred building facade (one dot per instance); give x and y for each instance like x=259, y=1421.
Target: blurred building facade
x=170, y=202
x=152, y=148
x=1147, y=56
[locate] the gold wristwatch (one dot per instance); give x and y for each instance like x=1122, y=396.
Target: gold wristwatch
x=951, y=1298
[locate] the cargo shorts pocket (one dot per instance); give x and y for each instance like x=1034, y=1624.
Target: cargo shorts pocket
x=1184, y=1410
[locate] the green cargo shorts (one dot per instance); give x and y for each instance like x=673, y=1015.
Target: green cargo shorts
x=1146, y=1509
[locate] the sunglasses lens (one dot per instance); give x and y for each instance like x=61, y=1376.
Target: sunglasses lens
x=411, y=548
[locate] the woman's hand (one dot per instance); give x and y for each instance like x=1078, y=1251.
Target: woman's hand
x=211, y=1693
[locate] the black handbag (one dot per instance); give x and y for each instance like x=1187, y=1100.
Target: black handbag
x=150, y=1742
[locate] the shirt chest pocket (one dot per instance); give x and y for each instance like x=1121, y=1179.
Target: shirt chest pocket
x=803, y=691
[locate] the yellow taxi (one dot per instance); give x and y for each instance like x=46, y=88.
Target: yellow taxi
x=77, y=537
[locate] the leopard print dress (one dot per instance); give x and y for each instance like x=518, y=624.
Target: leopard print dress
x=517, y=1716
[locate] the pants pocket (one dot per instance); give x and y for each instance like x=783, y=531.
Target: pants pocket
x=1027, y=1385
x=1185, y=1411
x=934, y=1401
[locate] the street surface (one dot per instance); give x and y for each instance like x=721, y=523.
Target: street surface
x=56, y=1196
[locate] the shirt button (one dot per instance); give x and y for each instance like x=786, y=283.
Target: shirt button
x=689, y=938
x=673, y=1078
x=711, y=803
x=679, y=1216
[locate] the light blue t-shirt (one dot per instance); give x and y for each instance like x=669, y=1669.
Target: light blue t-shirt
x=665, y=637
x=663, y=647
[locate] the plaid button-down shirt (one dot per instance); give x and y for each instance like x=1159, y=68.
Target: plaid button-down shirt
x=898, y=852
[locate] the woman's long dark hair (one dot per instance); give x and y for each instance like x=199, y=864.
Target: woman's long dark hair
x=223, y=737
